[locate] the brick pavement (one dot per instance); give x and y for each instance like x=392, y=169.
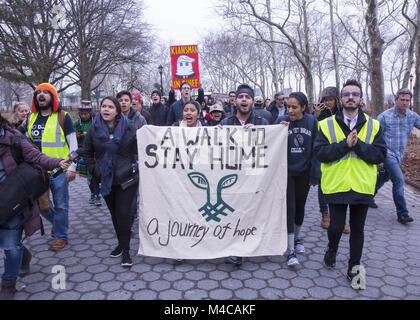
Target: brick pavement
x=391, y=257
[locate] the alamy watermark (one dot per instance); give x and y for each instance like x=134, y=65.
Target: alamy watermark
x=58, y=282
x=359, y=280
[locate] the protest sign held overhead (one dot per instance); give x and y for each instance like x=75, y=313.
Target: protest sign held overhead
x=185, y=68
x=209, y=192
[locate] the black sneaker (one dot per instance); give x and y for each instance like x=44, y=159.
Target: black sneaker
x=126, y=260
x=237, y=261
x=405, y=218
x=329, y=258
x=117, y=252
x=373, y=204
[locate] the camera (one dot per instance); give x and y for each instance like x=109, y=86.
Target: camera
x=72, y=157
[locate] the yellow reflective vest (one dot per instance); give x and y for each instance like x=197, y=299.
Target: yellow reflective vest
x=53, y=141
x=350, y=172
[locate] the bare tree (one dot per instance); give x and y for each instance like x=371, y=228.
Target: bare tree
x=108, y=34
x=32, y=50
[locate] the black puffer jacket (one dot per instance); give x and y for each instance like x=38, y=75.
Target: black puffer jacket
x=93, y=152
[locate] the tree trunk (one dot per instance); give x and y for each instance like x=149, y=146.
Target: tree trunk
x=309, y=83
x=272, y=49
x=375, y=58
x=334, y=49
x=416, y=98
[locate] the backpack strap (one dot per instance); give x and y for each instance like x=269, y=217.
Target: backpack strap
x=61, y=118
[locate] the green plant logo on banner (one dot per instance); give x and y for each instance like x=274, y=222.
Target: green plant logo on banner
x=221, y=208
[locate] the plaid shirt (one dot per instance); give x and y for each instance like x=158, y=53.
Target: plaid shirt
x=397, y=130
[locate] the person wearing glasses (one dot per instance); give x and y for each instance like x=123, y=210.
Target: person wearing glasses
x=175, y=110
x=349, y=146
x=397, y=124
x=277, y=107
x=229, y=107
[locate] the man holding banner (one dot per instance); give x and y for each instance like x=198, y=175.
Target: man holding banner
x=224, y=188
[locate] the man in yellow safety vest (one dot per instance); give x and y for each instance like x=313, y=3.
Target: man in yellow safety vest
x=51, y=130
x=349, y=146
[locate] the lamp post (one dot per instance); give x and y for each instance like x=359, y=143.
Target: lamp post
x=411, y=90
x=281, y=84
x=160, y=68
x=113, y=90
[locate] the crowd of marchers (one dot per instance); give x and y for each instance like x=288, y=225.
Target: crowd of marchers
x=334, y=145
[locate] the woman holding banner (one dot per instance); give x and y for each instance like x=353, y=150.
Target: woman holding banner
x=190, y=115
x=110, y=153
x=303, y=170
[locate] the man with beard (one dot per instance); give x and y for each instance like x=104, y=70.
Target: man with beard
x=158, y=111
x=51, y=130
x=349, y=146
x=244, y=117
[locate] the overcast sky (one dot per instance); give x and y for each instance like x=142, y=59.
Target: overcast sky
x=181, y=21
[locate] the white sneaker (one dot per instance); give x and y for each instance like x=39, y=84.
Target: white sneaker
x=299, y=248
x=292, y=260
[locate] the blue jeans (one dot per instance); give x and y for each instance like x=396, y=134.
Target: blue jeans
x=393, y=172
x=59, y=216
x=323, y=204
x=10, y=242
x=94, y=186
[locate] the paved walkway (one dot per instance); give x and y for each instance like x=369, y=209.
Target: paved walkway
x=391, y=257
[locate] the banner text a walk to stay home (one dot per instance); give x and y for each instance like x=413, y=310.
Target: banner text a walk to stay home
x=185, y=68
x=207, y=192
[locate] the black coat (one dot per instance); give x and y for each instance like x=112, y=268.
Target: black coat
x=327, y=152
x=93, y=152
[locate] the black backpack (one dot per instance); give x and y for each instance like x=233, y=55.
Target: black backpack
x=21, y=188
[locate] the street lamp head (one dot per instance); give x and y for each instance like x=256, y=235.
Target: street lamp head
x=411, y=77
x=160, y=68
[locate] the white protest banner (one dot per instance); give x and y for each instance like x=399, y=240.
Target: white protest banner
x=210, y=192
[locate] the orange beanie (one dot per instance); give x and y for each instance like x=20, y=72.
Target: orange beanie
x=52, y=90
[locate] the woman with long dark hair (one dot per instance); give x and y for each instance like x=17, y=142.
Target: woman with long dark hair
x=302, y=169
x=110, y=153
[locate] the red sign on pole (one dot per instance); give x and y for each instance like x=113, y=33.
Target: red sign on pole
x=184, y=60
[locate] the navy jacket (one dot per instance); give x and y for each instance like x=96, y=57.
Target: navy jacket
x=301, y=159
x=159, y=113
x=272, y=108
x=236, y=122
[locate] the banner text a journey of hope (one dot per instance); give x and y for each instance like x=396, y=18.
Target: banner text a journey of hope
x=210, y=192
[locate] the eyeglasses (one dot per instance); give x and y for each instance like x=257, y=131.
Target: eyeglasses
x=348, y=94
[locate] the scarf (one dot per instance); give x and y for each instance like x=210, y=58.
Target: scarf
x=184, y=123
x=101, y=131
